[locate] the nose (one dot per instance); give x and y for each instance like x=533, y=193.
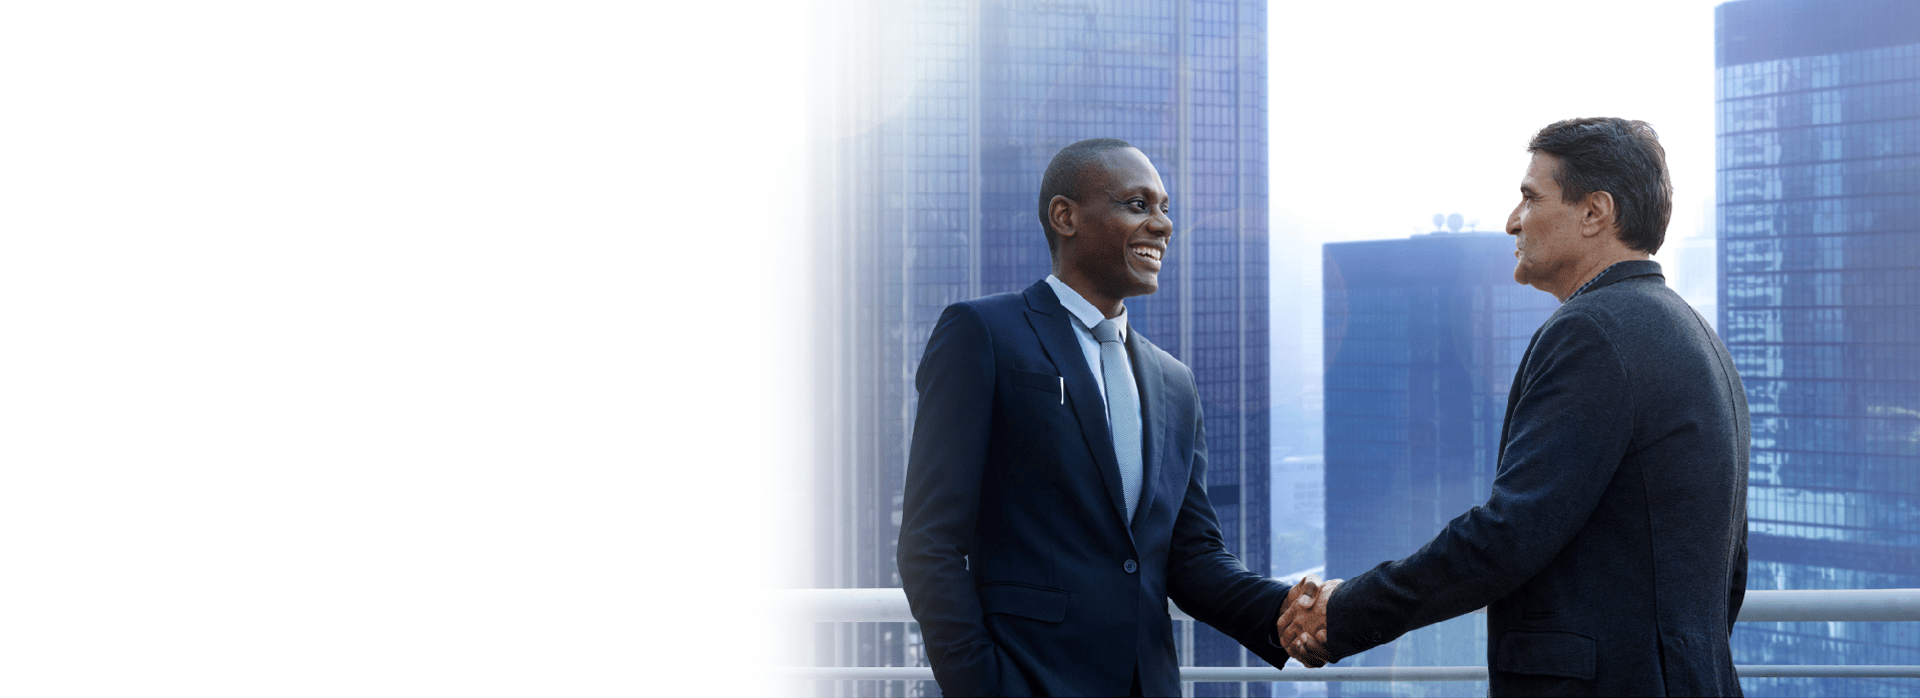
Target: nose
x=1513, y=220
x=1160, y=224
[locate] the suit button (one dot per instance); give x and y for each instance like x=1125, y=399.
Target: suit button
x=1130, y=566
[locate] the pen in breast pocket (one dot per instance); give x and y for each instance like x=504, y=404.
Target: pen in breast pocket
x=1063, y=390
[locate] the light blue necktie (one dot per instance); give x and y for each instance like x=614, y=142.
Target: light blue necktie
x=1123, y=410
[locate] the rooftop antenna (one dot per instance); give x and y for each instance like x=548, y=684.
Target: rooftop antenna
x=1453, y=222
x=1439, y=221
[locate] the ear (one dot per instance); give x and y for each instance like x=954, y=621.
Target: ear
x=1060, y=211
x=1599, y=214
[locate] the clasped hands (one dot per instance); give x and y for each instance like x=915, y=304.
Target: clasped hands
x=1302, y=627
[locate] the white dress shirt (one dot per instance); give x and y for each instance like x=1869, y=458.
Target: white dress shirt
x=1085, y=317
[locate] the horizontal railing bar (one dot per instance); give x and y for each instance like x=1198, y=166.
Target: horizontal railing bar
x=1826, y=605
x=843, y=605
x=1333, y=674
x=1761, y=606
x=1829, y=671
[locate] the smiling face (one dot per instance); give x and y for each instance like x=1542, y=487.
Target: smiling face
x=1547, y=237
x=1114, y=237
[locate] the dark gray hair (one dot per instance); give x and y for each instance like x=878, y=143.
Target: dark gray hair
x=1622, y=158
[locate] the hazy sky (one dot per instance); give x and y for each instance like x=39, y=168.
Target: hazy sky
x=1383, y=115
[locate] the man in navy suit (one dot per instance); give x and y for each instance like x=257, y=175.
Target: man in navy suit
x=1055, y=494
x=1612, y=554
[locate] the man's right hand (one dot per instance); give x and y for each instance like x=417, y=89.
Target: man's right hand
x=1303, y=624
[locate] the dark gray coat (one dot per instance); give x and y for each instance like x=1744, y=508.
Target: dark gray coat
x=1612, y=553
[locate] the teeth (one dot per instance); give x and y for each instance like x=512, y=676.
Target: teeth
x=1148, y=252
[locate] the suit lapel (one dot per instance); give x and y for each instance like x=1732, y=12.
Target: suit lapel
x=1153, y=393
x=1051, y=323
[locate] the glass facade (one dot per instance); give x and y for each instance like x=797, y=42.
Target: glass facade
x=1819, y=238
x=939, y=119
x=1422, y=340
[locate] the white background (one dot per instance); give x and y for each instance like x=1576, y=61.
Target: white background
x=394, y=348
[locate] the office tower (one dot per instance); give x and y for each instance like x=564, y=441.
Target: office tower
x=937, y=119
x=1819, y=235
x=1295, y=409
x=1694, y=271
x=1299, y=515
x=1422, y=339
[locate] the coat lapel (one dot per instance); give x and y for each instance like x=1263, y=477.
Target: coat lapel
x=1052, y=323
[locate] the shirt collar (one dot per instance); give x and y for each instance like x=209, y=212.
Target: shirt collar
x=1083, y=311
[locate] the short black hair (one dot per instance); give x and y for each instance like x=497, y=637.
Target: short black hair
x=1066, y=175
x=1622, y=158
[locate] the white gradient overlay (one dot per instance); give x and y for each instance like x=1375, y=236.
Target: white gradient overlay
x=397, y=348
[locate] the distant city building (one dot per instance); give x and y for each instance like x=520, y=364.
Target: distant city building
x=1299, y=515
x=1819, y=232
x=1422, y=336
x=1694, y=271
x=939, y=118
x=1298, y=529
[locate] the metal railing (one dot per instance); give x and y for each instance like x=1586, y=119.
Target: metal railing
x=890, y=606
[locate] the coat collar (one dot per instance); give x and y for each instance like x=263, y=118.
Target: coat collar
x=1620, y=271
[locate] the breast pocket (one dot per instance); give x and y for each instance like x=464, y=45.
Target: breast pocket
x=1033, y=415
x=1044, y=382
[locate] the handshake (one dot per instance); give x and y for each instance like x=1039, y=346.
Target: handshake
x=1302, y=628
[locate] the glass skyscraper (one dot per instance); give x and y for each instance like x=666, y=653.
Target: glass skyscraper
x=1819, y=236
x=1422, y=339
x=937, y=120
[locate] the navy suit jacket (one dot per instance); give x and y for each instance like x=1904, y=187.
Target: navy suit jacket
x=1612, y=554
x=1016, y=555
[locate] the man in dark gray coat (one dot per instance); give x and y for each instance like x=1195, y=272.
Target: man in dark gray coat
x=1612, y=553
